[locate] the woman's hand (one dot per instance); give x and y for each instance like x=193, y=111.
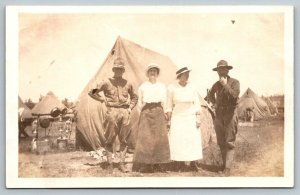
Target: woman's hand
x=198, y=125
x=198, y=120
x=166, y=117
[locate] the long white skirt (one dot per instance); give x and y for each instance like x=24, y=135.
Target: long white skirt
x=185, y=138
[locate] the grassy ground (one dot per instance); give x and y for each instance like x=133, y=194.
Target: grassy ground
x=259, y=152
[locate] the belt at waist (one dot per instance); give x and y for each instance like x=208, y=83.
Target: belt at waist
x=121, y=106
x=152, y=105
x=226, y=106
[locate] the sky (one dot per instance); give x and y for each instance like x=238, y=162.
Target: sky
x=61, y=52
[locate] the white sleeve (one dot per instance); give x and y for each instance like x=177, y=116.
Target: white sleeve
x=140, y=98
x=170, y=96
x=164, y=97
x=197, y=103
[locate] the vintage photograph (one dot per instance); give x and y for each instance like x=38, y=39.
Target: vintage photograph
x=149, y=96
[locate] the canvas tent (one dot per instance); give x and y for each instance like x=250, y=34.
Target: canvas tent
x=90, y=112
x=273, y=109
x=45, y=106
x=250, y=100
x=24, y=111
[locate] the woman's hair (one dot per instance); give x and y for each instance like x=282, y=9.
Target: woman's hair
x=178, y=76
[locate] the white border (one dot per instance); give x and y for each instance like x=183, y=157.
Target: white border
x=12, y=180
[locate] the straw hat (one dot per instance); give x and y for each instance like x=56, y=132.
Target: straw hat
x=182, y=70
x=153, y=65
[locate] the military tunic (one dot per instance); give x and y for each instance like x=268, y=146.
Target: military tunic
x=225, y=99
x=119, y=96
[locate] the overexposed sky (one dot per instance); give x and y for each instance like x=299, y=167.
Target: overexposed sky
x=62, y=52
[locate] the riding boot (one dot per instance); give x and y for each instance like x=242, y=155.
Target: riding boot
x=229, y=160
x=223, y=153
x=110, y=166
x=122, y=165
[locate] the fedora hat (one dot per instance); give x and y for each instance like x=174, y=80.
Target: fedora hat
x=182, y=70
x=222, y=63
x=119, y=63
x=153, y=65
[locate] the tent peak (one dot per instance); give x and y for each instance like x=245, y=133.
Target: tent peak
x=50, y=93
x=119, y=38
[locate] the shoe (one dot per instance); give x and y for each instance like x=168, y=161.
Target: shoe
x=110, y=168
x=182, y=167
x=123, y=168
x=159, y=168
x=147, y=169
x=221, y=168
x=196, y=167
x=226, y=172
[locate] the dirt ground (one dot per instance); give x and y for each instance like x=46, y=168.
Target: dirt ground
x=259, y=152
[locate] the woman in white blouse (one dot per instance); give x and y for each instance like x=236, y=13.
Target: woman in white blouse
x=183, y=106
x=152, y=145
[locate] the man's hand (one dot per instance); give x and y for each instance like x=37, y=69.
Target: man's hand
x=129, y=111
x=223, y=80
x=97, y=97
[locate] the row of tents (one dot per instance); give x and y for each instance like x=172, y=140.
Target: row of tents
x=90, y=113
x=44, y=107
x=262, y=107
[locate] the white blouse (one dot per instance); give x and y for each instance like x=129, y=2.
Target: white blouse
x=185, y=99
x=152, y=93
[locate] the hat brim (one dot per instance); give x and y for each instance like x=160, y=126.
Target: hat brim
x=119, y=66
x=183, y=72
x=154, y=67
x=228, y=67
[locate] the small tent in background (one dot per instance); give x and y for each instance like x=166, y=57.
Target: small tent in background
x=46, y=105
x=273, y=109
x=24, y=111
x=24, y=117
x=90, y=113
x=250, y=100
x=278, y=101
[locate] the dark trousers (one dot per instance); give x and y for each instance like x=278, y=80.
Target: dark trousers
x=116, y=123
x=226, y=126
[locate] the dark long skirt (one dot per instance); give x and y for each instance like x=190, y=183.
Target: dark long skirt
x=152, y=145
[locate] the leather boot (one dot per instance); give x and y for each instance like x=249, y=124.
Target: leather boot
x=122, y=166
x=110, y=166
x=229, y=160
x=223, y=153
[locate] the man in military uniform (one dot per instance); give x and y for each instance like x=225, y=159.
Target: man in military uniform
x=224, y=95
x=249, y=114
x=120, y=99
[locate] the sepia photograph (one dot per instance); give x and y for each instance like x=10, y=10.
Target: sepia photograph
x=149, y=96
